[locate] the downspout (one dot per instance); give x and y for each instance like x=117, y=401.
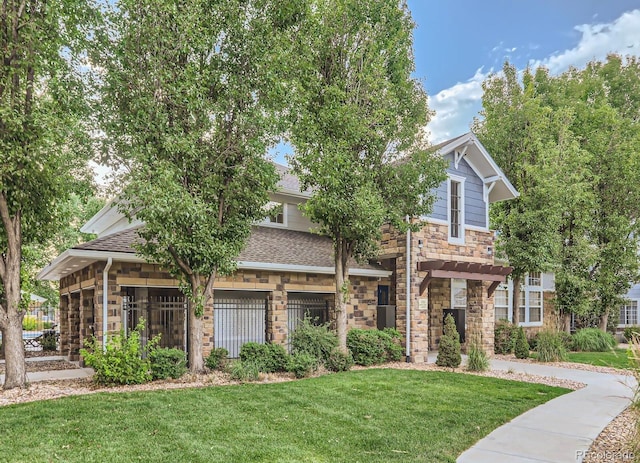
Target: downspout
x=408, y=292
x=105, y=301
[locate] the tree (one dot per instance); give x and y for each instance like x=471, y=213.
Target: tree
x=586, y=133
x=358, y=112
x=521, y=134
x=45, y=142
x=191, y=97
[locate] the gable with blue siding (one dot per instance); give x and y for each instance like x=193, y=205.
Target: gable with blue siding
x=475, y=207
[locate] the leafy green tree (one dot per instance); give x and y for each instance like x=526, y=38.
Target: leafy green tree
x=191, y=95
x=358, y=111
x=520, y=133
x=45, y=143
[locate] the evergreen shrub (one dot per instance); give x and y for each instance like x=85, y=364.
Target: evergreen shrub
x=449, y=348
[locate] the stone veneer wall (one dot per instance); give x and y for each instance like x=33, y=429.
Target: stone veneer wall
x=76, y=323
x=426, y=309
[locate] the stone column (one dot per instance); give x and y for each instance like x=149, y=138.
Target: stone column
x=480, y=315
x=64, y=324
x=277, y=317
x=439, y=299
x=73, y=317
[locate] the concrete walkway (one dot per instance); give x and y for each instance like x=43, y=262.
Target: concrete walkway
x=75, y=373
x=560, y=430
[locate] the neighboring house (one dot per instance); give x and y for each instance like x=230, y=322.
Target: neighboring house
x=629, y=310
x=285, y=271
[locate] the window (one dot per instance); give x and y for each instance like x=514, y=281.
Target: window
x=456, y=210
x=629, y=313
x=530, y=307
x=501, y=302
x=275, y=213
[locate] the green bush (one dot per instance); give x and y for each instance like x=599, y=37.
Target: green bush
x=217, y=359
x=29, y=323
x=316, y=340
x=302, y=364
x=478, y=360
x=49, y=341
x=124, y=360
x=628, y=332
x=521, y=346
x=567, y=340
x=339, y=361
x=593, y=340
x=392, y=338
x=269, y=358
x=167, y=363
x=244, y=371
x=550, y=347
x=366, y=346
x=503, y=331
x=449, y=348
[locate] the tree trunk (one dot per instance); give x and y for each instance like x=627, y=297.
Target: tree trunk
x=342, y=294
x=196, y=332
x=604, y=320
x=15, y=368
x=567, y=322
x=515, y=306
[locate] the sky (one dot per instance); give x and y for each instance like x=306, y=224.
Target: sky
x=459, y=43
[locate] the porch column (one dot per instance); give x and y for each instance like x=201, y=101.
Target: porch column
x=480, y=315
x=277, y=317
x=439, y=299
x=63, y=321
x=73, y=317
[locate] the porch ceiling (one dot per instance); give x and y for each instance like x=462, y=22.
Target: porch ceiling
x=466, y=270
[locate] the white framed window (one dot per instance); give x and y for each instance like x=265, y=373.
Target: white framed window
x=531, y=304
x=276, y=214
x=629, y=314
x=501, y=302
x=458, y=293
x=455, y=209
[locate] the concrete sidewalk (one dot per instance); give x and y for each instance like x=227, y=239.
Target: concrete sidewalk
x=74, y=373
x=560, y=430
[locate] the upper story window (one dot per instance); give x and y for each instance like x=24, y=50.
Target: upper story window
x=276, y=214
x=455, y=210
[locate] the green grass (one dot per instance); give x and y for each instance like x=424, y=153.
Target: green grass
x=360, y=416
x=616, y=358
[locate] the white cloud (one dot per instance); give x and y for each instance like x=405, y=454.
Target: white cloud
x=457, y=106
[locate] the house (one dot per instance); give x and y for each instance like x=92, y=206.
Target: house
x=628, y=315
x=285, y=271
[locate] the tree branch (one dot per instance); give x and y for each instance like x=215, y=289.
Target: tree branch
x=181, y=263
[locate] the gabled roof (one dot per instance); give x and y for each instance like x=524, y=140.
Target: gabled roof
x=268, y=248
x=481, y=161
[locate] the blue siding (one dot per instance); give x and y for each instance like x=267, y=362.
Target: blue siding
x=475, y=212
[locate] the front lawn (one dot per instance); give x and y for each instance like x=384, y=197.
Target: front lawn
x=616, y=358
x=375, y=415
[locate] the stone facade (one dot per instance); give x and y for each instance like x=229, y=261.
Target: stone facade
x=426, y=310
x=82, y=294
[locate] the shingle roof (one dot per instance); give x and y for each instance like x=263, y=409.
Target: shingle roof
x=268, y=245
x=288, y=181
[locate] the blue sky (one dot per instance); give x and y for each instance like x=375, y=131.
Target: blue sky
x=458, y=44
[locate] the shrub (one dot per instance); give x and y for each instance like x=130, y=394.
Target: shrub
x=302, y=364
x=449, y=349
x=593, y=340
x=478, y=360
x=628, y=332
x=550, y=347
x=393, y=348
x=339, y=361
x=49, y=341
x=316, y=340
x=567, y=340
x=123, y=360
x=167, y=363
x=269, y=358
x=521, y=346
x=217, y=359
x=503, y=331
x=366, y=346
x=29, y=323
x=244, y=371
